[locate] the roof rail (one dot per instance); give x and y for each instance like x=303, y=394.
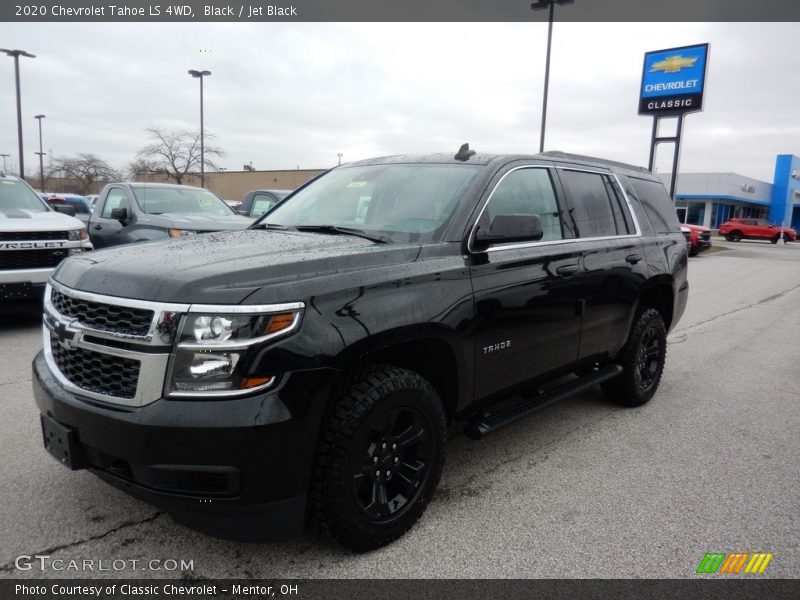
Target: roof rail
x=592, y=159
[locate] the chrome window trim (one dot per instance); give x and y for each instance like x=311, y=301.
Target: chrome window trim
x=523, y=245
x=629, y=204
x=474, y=227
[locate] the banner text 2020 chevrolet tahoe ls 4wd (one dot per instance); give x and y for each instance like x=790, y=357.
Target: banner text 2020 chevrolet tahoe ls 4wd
x=34, y=239
x=304, y=370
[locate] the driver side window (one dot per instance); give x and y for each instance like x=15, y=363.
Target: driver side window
x=527, y=191
x=117, y=198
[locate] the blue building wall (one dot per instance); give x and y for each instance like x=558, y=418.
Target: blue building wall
x=785, y=183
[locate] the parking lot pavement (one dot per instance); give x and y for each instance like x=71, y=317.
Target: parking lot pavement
x=582, y=489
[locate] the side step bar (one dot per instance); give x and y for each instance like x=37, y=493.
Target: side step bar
x=482, y=425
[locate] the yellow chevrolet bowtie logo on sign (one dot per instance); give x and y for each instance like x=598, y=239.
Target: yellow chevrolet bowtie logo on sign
x=673, y=64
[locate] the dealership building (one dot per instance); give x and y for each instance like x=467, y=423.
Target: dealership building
x=710, y=199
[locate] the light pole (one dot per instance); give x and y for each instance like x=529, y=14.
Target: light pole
x=540, y=5
x=40, y=153
x=340, y=155
x=16, y=54
x=199, y=75
x=5, y=156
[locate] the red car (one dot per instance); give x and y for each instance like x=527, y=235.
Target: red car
x=699, y=238
x=736, y=230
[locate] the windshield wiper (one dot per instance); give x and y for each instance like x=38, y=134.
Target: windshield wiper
x=342, y=230
x=270, y=226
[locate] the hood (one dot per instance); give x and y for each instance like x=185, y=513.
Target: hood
x=27, y=220
x=208, y=222
x=696, y=227
x=223, y=267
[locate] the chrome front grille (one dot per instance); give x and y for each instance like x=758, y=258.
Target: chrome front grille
x=103, y=317
x=106, y=348
x=95, y=372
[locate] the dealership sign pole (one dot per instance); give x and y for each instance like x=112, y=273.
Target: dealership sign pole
x=673, y=82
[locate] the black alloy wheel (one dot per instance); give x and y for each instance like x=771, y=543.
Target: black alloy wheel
x=649, y=357
x=394, y=462
x=379, y=457
x=736, y=236
x=642, y=360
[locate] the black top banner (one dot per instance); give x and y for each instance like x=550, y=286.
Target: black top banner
x=395, y=10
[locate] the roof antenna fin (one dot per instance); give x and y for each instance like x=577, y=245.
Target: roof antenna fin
x=464, y=153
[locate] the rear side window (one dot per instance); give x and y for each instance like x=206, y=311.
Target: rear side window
x=592, y=212
x=657, y=205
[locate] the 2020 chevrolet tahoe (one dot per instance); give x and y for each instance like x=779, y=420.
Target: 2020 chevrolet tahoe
x=305, y=370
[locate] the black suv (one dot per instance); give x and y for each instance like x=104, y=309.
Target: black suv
x=142, y=212
x=305, y=370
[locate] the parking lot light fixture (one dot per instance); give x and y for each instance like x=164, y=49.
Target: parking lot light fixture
x=40, y=152
x=541, y=5
x=200, y=75
x=16, y=54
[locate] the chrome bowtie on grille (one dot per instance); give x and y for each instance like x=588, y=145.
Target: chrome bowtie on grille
x=112, y=349
x=123, y=351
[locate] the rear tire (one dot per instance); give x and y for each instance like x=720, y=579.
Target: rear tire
x=379, y=457
x=642, y=360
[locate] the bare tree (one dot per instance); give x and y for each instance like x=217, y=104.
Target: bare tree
x=139, y=167
x=176, y=153
x=86, y=169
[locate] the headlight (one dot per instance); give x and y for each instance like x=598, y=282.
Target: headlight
x=76, y=235
x=211, y=357
x=180, y=232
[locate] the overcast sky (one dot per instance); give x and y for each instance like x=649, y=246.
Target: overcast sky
x=289, y=95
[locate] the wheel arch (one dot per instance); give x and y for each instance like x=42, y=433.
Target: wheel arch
x=428, y=352
x=659, y=293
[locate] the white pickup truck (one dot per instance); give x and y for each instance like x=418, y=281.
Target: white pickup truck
x=34, y=238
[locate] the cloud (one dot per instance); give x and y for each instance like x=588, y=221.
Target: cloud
x=285, y=95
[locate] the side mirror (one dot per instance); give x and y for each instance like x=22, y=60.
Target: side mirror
x=511, y=228
x=66, y=209
x=120, y=214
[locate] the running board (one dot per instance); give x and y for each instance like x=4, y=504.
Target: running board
x=482, y=425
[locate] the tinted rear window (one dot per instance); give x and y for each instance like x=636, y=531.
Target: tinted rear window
x=588, y=194
x=657, y=205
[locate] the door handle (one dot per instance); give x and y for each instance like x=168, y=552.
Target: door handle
x=567, y=270
x=633, y=258
x=98, y=226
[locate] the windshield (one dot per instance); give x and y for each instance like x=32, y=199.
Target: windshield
x=158, y=200
x=16, y=195
x=401, y=202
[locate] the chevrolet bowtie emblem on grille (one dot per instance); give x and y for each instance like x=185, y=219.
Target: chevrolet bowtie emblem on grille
x=65, y=337
x=673, y=64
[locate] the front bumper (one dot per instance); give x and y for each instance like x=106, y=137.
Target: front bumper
x=238, y=469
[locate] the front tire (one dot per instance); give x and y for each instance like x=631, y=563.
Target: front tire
x=642, y=360
x=736, y=236
x=379, y=458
